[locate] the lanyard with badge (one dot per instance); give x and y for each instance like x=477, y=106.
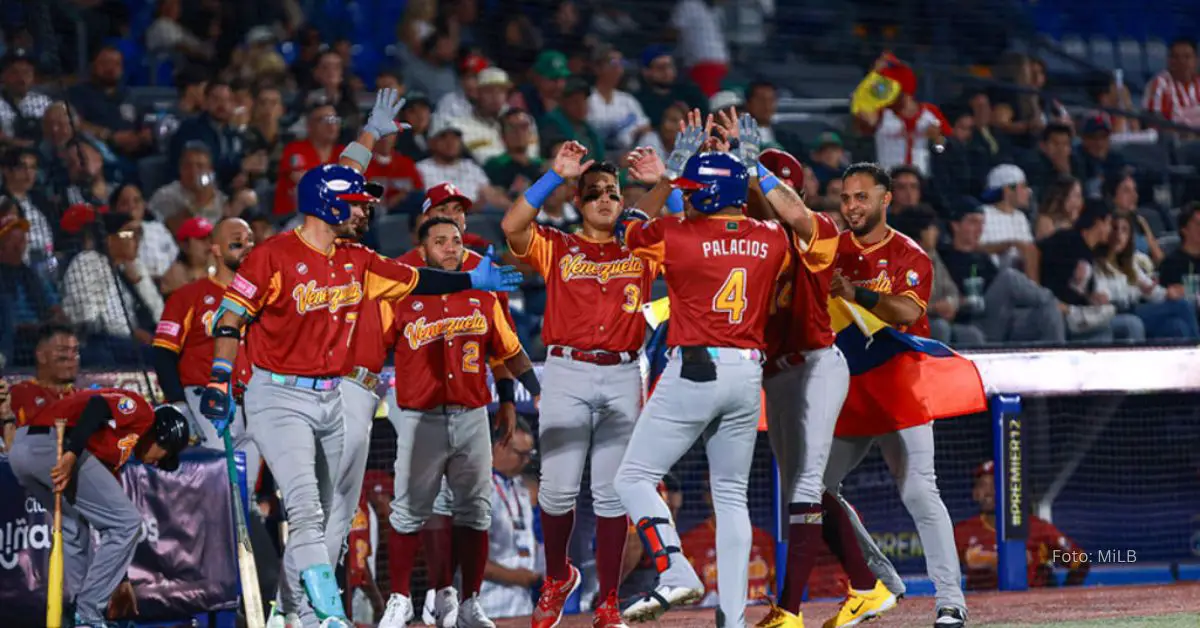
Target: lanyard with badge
x=517, y=519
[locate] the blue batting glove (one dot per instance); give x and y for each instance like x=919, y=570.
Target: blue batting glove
x=216, y=404
x=628, y=216
x=493, y=278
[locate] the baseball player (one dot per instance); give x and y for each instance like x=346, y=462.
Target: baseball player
x=56, y=354
x=721, y=269
x=442, y=346
x=302, y=292
x=105, y=427
x=889, y=275
x=593, y=331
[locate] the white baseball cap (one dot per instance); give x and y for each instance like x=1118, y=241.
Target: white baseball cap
x=493, y=77
x=1005, y=175
x=724, y=99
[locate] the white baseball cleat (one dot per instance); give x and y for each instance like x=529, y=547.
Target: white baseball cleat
x=660, y=600
x=336, y=622
x=399, y=612
x=445, y=608
x=427, y=610
x=471, y=615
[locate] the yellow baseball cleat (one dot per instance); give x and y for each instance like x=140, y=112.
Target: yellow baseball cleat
x=861, y=606
x=777, y=617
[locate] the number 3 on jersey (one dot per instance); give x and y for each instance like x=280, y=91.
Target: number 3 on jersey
x=731, y=298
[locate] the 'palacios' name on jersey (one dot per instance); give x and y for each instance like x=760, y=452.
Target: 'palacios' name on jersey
x=421, y=332
x=746, y=248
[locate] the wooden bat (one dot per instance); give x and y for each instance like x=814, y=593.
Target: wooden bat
x=247, y=568
x=54, y=584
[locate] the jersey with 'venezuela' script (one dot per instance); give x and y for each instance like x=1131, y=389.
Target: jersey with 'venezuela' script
x=114, y=442
x=721, y=275
x=443, y=345
x=594, y=290
x=895, y=265
x=800, y=321
x=305, y=302
x=30, y=397
x=186, y=328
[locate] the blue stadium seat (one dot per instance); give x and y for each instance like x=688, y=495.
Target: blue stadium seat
x=1103, y=53
x=1131, y=59
x=1074, y=45
x=1156, y=56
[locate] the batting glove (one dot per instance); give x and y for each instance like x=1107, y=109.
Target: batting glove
x=216, y=404
x=493, y=278
x=628, y=217
x=687, y=143
x=382, y=121
x=750, y=136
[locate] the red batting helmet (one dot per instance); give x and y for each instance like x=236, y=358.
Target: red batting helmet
x=442, y=193
x=783, y=165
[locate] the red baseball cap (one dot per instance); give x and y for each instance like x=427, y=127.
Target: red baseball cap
x=987, y=468
x=783, y=165
x=79, y=216
x=472, y=64
x=442, y=193
x=194, y=227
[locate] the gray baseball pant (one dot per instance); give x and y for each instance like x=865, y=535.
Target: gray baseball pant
x=98, y=503
x=725, y=412
x=359, y=405
x=909, y=454
x=237, y=429
x=300, y=433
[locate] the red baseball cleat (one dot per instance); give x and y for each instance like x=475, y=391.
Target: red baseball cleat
x=549, y=609
x=608, y=614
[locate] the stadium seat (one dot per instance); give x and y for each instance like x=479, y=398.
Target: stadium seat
x=1132, y=60
x=154, y=98
x=1074, y=46
x=397, y=239
x=1169, y=243
x=152, y=172
x=1103, y=53
x=1150, y=157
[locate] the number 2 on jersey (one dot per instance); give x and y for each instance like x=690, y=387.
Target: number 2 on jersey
x=731, y=298
x=470, y=360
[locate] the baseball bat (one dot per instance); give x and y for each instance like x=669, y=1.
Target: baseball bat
x=54, y=584
x=247, y=568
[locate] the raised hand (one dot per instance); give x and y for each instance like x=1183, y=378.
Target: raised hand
x=568, y=163
x=382, y=121
x=689, y=141
x=749, y=139
x=645, y=166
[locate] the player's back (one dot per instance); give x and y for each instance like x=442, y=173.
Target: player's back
x=721, y=273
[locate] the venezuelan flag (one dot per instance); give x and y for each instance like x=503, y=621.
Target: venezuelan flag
x=899, y=380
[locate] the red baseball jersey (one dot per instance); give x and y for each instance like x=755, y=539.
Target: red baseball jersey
x=186, y=328
x=114, y=442
x=594, y=290
x=298, y=157
x=975, y=539
x=397, y=174
x=800, y=321
x=721, y=275
x=359, y=550
x=306, y=302
x=443, y=344
x=895, y=265
x=30, y=397
x=700, y=547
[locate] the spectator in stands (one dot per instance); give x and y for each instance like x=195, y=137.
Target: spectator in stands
x=988, y=139
x=906, y=130
x=569, y=122
x=332, y=89
x=243, y=105
x=1120, y=191
x=212, y=129
x=1180, y=271
x=661, y=87
x=1006, y=231
x=19, y=168
x=514, y=170
x=1125, y=274
x=1006, y=304
x=481, y=126
x=195, y=260
x=264, y=129
x=56, y=133
x=513, y=549
x=700, y=546
x=1175, y=92
x=762, y=99
x=390, y=79
x=308, y=45
x=1045, y=545
x=261, y=224
x=829, y=157
x=417, y=113
x=637, y=569
x=1062, y=202
x=29, y=298
x=958, y=170
x=543, y=94
x=1069, y=261
x=1108, y=94
x=194, y=193
x=1023, y=115
x=317, y=148
x=190, y=83
x=702, y=44
x=457, y=104
x=86, y=181
x=446, y=164
x=167, y=37
x=725, y=101
x=662, y=138
x=1095, y=159
x=255, y=173
x=920, y=224
x=616, y=115
x=397, y=173
x=110, y=297
x=158, y=249
x=21, y=107
x=517, y=43
x=1054, y=157
x=105, y=108
x=906, y=189
x=431, y=70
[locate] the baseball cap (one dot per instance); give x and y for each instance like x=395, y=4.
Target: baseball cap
x=442, y=124
x=576, y=85
x=442, y=193
x=1005, y=175
x=725, y=99
x=195, y=227
x=551, y=64
x=651, y=53
x=1096, y=124
x=472, y=64
x=494, y=77
x=963, y=207
x=416, y=98
x=79, y=216
x=829, y=138
x=12, y=221
x=15, y=55
x=985, y=468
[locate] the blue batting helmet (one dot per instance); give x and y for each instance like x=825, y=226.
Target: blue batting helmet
x=327, y=192
x=716, y=180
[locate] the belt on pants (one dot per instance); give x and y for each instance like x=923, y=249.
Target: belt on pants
x=715, y=353
x=598, y=357
x=363, y=377
x=321, y=384
x=447, y=409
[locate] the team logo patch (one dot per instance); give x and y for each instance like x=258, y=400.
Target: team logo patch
x=302, y=268
x=209, y=300
x=167, y=328
x=912, y=278
x=418, y=306
x=473, y=301
x=785, y=171
x=573, y=250
x=338, y=185
x=244, y=287
x=40, y=401
x=126, y=405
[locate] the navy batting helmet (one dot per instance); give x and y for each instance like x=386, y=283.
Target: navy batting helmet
x=327, y=192
x=716, y=181
x=170, y=431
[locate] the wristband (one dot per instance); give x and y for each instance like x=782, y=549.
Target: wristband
x=506, y=390
x=675, y=201
x=866, y=298
x=358, y=154
x=542, y=188
x=227, y=331
x=762, y=170
x=768, y=183
x=530, y=381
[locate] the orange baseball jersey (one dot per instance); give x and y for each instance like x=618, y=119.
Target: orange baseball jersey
x=700, y=547
x=113, y=443
x=721, y=275
x=594, y=290
x=443, y=344
x=895, y=265
x=186, y=328
x=975, y=539
x=306, y=302
x=28, y=398
x=299, y=156
x=800, y=321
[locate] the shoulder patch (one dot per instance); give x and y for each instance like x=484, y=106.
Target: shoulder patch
x=243, y=287
x=167, y=328
x=125, y=405
x=912, y=278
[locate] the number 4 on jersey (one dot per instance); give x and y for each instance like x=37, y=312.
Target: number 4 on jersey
x=731, y=298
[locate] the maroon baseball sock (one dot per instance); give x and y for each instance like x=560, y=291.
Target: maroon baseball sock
x=839, y=536
x=804, y=539
x=403, y=557
x=440, y=557
x=470, y=553
x=611, y=533
x=556, y=532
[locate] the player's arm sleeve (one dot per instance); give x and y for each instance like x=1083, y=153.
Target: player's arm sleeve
x=540, y=252
x=647, y=239
x=175, y=321
x=917, y=281
x=819, y=251
x=389, y=279
x=166, y=367
x=95, y=414
x=503, y=341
